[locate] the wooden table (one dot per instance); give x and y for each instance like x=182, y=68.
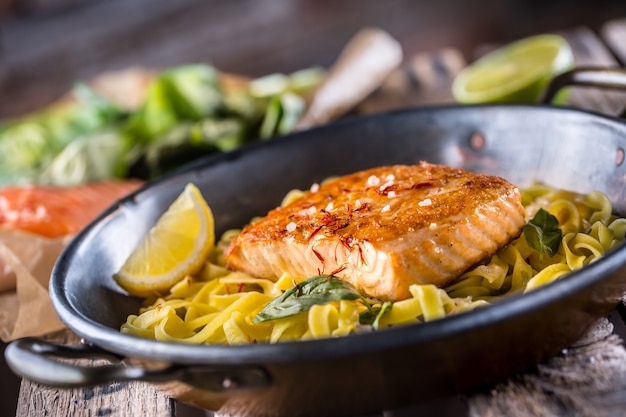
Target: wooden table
x=588, y=379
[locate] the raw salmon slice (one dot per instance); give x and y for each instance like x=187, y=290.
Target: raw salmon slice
x=385, y=229
x=59, y=211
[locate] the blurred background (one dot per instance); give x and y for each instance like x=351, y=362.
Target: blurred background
x=46, y=45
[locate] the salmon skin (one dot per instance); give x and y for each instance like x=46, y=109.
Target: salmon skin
x=59, y=211
x=384, y=229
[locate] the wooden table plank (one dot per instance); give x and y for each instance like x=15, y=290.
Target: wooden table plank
x=424, y=79
x=589, y=50
x=588, y=379
x=117, y=399
x=614, y=34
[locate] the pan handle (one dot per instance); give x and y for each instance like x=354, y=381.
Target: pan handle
x=610, y=78
x=31, y=358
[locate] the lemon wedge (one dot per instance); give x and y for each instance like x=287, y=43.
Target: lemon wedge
x=515, y=73
x=176, y=246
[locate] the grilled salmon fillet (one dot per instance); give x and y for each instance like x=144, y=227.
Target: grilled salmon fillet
x=384, y=229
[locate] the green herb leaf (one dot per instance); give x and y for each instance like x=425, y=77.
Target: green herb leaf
x=317, y=290
x=543, y=234
x=372, y=315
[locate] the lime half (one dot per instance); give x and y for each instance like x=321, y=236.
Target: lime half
x=515, y=73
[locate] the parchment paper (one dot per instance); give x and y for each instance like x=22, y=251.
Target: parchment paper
x=25, y=307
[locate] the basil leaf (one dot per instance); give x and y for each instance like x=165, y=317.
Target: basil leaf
x=543, y=234
x=317, y=290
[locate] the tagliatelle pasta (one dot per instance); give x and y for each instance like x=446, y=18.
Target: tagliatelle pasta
x=219, y=306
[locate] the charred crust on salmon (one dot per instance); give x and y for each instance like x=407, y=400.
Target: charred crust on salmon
x=384, y=229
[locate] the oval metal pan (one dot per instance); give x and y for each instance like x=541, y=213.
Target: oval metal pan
x=367, y=372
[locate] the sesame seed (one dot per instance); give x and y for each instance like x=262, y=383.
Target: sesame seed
x=315, y=187
x=291, y=227
x=357, y=204
x=391, y=194
x=385, y=186
x=390, y=178
x=373, y=181
x=308, y=211
x=427, y=202
x=386, y=208
x=329, y=207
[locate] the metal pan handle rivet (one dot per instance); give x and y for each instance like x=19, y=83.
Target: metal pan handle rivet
x=619, y=156
x=477, y=141
x=230, y=383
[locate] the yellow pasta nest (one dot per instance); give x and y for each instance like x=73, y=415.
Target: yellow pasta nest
x=216, y=305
